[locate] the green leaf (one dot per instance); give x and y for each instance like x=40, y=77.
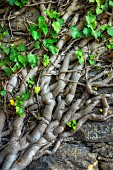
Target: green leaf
x=80, y=56
x=53, y=33
x=6, y=32
x=23, y=60
x=21, y=47
x=108, y=46
x=90, y=18
x=45, y=29
x=32, y=59
x=91, y=60
x=60, y=20
x=36, y=45
x=53, y=49
x=20, y=111
x=96, y=34
x=68, y=124
x=31, y=82
x=11, y=2
x=3, y=92
x=110, y=3
x=103, y=37
x=16, y=66
x=25, y=95
x=41, y=19
x=52, y=14
x=75, y=32
x=13, y=56
x=8, y=71
x=5, y=49
x=79, y=52
x=74, y=127
x=37, y=89
x=46, y=60
x=41, y=22
x=98, y=10
x=17, y=3
x=56, y=26
x=32, y=28
x=99, y=2
x=104, y=6
x=104, y=27
x=74, y=122
x=36, y=35
x=87, y=32
x=110, y=31
x=47, y=42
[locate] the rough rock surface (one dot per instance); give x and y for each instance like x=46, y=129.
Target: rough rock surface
x=91, y=148
x=70, y=157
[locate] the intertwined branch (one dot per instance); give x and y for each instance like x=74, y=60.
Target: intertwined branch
x=69, y=91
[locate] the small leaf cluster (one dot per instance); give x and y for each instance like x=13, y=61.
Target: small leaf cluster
x=2, y=92
x=102, y=6
x=72, y=124
x=19, y=3
x=80, y=56
x=3, y=33
x=45, y=35
x=90, y=28
x=18, y=103
x=31, y=84
x=16, y=59
x=110, y=44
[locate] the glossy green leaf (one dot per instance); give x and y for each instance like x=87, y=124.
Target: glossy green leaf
x=75, y=32
x=87, y=32
x=11, y=2
x=21, y=47
x=60, y=20
x=8, y=71
x=91, y=60
x=3, y=92
x=37, y=45
x=32, y=28
x=52, y=14
x=36, y=35
x=80, y=56
x=53, y=49
x=5, y=49
x=111, y=3
x=45, y=29
x=25, y=95
x=96, y=34
x=32, y=59
x=99, y=2
x=23, y=60
x=37, y=89
x=98, y=10
x=90, y=18
x=110, y=31
x=46, y=60
x=56, y=26
x=68, y=124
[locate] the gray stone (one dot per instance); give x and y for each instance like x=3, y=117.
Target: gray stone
x=106, y=166
x=68, y=157
x=96, y=132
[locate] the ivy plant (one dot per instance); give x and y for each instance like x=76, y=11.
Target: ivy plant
x=19, y=3
x=72, y=124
